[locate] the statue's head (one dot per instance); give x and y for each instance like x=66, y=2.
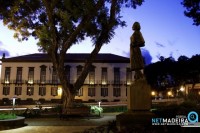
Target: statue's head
x=136, y=26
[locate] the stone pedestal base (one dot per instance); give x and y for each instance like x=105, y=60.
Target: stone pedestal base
x=139, y=105
x=139, y=96
x=133, y=119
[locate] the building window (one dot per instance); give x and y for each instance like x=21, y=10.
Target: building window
x=91, y=92
x=128, y=76
x=116, y=75
x=67, y=73
x=54, y=77
x=18, y=91
x=104, y=92
x=42, y=91
x=79, y=70
x=104, y=76
x=6, y=90
x=92, y=75
x=80, y=92
x=19, y=75
x=30, y=91
x=7, y=75
x=116, y=92
x=31, y=75
x=42, y=74
x=54, y=91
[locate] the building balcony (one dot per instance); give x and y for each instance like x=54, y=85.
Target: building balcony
x=57, y=82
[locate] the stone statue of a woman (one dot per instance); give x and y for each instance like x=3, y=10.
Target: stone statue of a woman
x=136, y=59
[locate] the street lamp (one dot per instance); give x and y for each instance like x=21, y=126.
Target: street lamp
x=153, y=93
x=182, y=89
x=13, y=101
x=169, y=93
x=99, y=104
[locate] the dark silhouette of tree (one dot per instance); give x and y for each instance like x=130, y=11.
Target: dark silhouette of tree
x=192, y=10
x=60, y=24
x=170, y=73
x=160, y=74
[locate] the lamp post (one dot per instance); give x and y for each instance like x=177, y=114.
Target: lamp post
x=99, y=104
x=153, y=93
x=169, y=93
x=13, y=101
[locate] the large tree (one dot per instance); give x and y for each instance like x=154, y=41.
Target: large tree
x=59, y=24
x=192, y=10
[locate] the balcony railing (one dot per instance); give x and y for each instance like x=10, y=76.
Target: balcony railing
x=57, y=82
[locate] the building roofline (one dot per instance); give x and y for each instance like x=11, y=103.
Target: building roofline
x=70, y=57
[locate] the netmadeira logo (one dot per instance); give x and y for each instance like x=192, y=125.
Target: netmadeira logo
x=191, y=120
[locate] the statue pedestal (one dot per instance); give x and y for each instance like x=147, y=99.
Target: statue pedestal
x=139, y=96
x=139, y=105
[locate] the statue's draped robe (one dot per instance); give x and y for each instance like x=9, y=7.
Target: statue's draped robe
x=136, y=59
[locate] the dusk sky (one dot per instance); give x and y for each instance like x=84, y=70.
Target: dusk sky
x=165, y=28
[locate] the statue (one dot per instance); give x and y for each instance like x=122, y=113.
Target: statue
x=136, y=59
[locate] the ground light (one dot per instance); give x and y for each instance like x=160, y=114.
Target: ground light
x=169, y=94
x=99, y=104
x=13, y=101
x=153, y=93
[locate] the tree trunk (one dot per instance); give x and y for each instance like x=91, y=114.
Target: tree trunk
x=67, y=101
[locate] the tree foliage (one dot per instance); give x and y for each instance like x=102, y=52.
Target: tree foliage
x=192, y=10
x=170, y=73
x=60, y=24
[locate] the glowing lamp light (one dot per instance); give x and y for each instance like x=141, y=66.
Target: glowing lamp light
x=169, y=93
x=7, y=82
x=182, y=89
x=99, y=104
x=13, y=101
x=153, y=93
x=104, y=83
x=59, y=91
x=91, y=82
x=128, y=83
x=30, y=81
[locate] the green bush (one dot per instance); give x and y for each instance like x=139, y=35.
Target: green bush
x=7, y=116
x=96, y=110
x=110, y=109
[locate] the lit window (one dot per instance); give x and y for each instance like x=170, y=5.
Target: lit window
x=116, y=75
x=6, y=90
x=104, y=76
x=54, y=91
x=42, y=91
x=80, y=92
x=18, y=91
x=7, y=75
x=31, y=75
x=19, y=75
x=30, y=91
x=91, y=92
x=104, y=92
x=116, y=92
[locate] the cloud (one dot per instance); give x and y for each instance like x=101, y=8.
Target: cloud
x=126, y=54
x=147, y=56
x=159, y=45
x=145, y=53
x=4, y=51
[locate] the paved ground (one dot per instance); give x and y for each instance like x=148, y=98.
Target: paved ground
x=55, y=125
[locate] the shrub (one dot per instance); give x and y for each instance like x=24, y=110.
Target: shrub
x=109, y=109
x=7, y=116
x=96, y=110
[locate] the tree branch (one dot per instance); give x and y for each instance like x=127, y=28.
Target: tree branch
x=68, y=43
x=99, y=43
